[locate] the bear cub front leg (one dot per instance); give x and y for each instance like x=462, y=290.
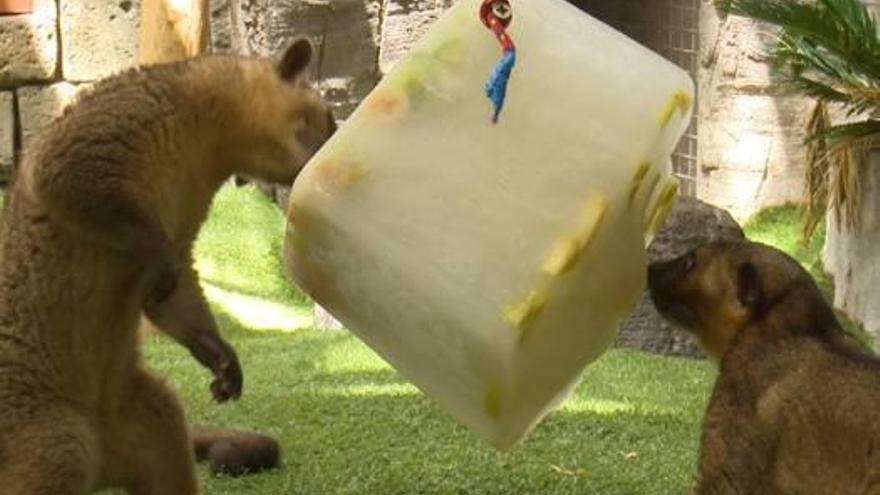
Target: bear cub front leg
x=186, y=317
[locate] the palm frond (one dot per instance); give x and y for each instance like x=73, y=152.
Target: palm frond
x=855, y=21
x=842, y=134
x=835, y=156
x=797, y=56
x=816, y=89
x=844, y=29
x=828, y=50
x=817, y=167
x=845, y=196
x=865, y=100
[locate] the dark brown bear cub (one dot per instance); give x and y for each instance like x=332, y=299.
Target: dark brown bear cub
x=796, y=406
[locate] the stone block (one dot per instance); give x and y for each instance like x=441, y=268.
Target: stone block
x=7, y=134
x=345, y=31
x=404, y=24
x=29, y=46
x=752, y=150
x=254, y=19
x=99, y=37
x=39, y=105
x=737, y=191
x=290, y=19
x=223, y=30
x=350, y=52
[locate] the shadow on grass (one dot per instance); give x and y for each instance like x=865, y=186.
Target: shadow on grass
x=403, y=444
x=350, y=425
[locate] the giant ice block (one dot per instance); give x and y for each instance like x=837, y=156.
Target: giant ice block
x=490, y=263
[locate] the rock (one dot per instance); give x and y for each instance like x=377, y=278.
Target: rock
x=254, y=19
x=350, y=51
x=29, y=46
x=99, y=37
x=404, y=23
x=223, y=29
x=691, y=223
x=7, y=135
x=345, y=33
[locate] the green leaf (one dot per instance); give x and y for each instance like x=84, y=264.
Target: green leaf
x=844, y=29
x=848, y=132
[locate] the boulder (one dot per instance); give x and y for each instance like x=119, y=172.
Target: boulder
x=691, y=223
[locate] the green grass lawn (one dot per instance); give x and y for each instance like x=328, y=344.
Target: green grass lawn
x=350, y=425
x=780, y=226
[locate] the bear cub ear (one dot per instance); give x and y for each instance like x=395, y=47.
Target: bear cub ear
x=295, y=60
x=749, y=290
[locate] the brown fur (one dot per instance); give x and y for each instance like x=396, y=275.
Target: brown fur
x=234, y=452
x=796, y=406
x=97, y=229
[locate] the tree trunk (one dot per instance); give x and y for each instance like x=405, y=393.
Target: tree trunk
x=173, y=30
x=852, y=257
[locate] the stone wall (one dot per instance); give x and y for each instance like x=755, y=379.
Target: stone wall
x=750, y=134
x=357, y=40
x=750, y=144
x=64, y=45
x=46, y=56
x=751, y=152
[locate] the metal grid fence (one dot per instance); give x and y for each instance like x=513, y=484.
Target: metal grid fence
x=670, y=28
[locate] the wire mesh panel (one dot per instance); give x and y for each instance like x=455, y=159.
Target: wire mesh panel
x=671, y=28
x=627, y=16
x=678, y=40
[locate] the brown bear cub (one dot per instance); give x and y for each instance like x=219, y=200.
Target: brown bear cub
x=796, y=406
x=97, y=231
